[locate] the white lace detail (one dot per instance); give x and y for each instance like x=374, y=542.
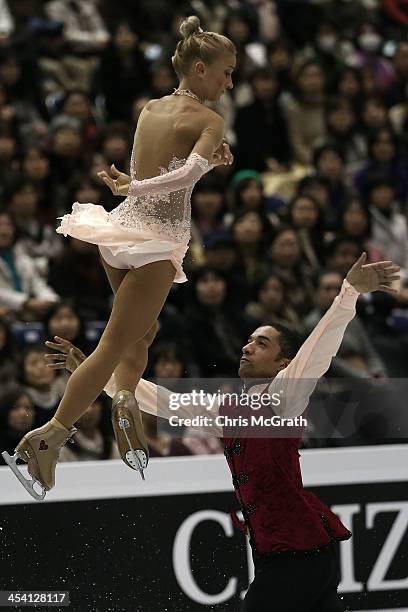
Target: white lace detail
x=166, y=212
x=174, y=164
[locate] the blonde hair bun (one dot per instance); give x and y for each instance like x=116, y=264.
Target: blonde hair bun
x=190, y=26
x=206, y=47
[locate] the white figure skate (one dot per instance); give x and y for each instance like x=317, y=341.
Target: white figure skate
x=40, y=450
x=128, y=427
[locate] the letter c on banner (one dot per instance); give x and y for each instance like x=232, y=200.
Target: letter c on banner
x=181, y=557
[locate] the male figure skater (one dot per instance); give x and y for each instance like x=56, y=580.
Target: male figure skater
x=292, y=533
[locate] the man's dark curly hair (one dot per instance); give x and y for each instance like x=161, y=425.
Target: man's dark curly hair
x=289, y=341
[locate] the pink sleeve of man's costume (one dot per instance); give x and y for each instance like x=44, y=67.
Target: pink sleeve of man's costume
x=298, y=380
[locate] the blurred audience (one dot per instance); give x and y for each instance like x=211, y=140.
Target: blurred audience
x=44, y=385
x=356, y=357
x=94, y=439
x=17, y=417
x=216, y=326
x=317, y=121
x=8, y=358
x=23, y=291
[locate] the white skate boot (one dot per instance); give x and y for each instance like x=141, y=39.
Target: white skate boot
x=40, y=450
x=128, y=427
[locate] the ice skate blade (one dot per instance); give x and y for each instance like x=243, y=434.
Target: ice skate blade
x=136, y=459
x=27, y=484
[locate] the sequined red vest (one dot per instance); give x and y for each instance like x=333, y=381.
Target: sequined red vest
x=279, y=514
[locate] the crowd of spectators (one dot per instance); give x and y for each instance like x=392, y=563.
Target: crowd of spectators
x=318, y=123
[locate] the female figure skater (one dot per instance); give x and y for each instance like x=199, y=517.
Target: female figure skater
x=142, y=244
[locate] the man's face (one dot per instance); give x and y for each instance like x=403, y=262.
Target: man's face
x=260, y=355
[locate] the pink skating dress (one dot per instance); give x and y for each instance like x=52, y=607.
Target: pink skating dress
x=151, y=224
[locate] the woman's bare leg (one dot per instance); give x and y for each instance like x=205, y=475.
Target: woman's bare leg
x=133, y=363
x=137, y=304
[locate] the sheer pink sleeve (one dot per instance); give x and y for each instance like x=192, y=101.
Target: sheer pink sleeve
x=298, y=380
x=183, y=177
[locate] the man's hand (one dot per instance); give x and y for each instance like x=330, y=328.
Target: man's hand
x=69, y=356
x=118, y=183
x=373, y=277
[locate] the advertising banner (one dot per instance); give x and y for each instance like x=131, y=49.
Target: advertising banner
x=114, y=543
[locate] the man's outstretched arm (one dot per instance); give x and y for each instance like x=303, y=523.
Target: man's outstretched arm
x=298, y=380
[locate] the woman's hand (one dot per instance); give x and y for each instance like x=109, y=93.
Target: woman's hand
x=118, y=183
x=69, y=356
x=223, y=155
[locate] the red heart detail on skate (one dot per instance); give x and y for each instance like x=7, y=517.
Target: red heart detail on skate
x=43, y=445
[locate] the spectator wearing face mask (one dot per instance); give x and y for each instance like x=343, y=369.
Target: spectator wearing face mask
x=327, y=48
x=369, y=55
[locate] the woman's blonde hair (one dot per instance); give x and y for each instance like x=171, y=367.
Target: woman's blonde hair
x=198, y=45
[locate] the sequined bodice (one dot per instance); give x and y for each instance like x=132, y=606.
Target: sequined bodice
x=164, y=215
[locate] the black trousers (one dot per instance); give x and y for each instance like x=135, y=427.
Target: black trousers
x=296, y=584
